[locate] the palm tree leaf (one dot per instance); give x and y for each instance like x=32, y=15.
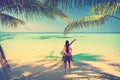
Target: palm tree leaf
x=59, y=13
x=86, y=22
x=7, y=20
x=106, y=8
x=71, y=4
x=31, y=8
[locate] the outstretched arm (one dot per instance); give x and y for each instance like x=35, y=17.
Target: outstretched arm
x=72, y=41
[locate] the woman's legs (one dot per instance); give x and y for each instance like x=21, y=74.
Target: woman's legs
x=69, y=66
x=67, y=59
x=65, y=65
x=69, y=63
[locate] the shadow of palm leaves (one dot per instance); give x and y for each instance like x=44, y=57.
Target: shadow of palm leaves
x=87, y=71
x=52, y=69
x=86, y=57
x=46, y=71
x=91, y=72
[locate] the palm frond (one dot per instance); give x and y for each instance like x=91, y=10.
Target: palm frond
x=31, y=8
x=86, y=22
x=28, y=8
x=59, y=13
x=10, y=21
x=71, y=4
x=106, y=8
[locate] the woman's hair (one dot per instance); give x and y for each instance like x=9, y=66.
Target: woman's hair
x=67, y=46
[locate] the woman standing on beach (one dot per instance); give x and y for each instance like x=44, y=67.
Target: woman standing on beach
x=67, y=53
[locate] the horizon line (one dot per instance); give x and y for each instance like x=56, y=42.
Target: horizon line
x=59, y=32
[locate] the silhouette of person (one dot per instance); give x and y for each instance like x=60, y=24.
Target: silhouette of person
x=67, y=53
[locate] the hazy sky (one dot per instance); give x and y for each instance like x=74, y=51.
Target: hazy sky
x=58, y=25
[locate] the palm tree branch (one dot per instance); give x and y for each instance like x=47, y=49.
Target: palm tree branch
x=95, y=20
x=33, y=8
x=58, y=12
x=86, y=22
x=70, y=4
x=106, y=8
x=8, y=20
x=25, y=6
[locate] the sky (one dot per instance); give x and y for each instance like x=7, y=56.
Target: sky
x=58, y=25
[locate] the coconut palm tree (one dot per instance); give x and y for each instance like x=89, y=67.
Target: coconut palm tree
x=102, y=12
x=10, y=10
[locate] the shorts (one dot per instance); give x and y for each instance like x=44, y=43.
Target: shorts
x=67, y=59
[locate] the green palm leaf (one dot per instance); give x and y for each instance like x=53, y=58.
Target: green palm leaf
x=86, y=22
x=106, y=8
x=25, y=7
x=29, y=9
x=95, y=20
x=7, y=20
x=70, y=4
x=59, y=13
x=53, y=10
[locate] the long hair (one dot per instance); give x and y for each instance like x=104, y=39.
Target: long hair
x=67, y=46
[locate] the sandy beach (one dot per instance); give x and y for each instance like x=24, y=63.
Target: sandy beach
x=38, y=56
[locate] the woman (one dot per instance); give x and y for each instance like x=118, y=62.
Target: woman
x=67, y=50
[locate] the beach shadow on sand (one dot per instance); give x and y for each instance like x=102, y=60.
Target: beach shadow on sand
x=51, y=68
x=88, y=72
x=86, y=57
x=79, y=57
